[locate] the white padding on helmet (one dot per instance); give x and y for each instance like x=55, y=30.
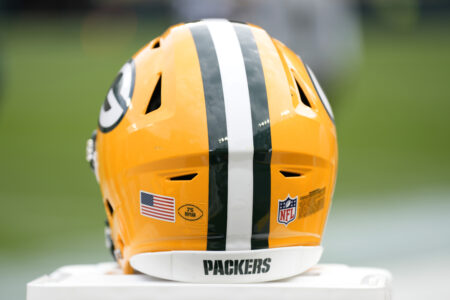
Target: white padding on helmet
x=228, y=266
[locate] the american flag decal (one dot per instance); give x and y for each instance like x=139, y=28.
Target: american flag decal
x=158, y=207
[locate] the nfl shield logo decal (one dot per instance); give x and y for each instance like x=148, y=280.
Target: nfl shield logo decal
x=287, y=210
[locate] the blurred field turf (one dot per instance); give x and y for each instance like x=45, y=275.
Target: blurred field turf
x=392, y=120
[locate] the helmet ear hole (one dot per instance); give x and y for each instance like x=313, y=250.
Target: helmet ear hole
x=302, y=95
x=155, y=99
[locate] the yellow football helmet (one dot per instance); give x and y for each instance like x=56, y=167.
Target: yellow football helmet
x=216, y=156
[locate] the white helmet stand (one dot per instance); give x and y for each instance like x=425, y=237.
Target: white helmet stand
x=106, y=281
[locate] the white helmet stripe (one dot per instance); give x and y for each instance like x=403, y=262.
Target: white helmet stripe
x=240, y=134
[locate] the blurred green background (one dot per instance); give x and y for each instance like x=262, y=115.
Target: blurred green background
x=391, y=207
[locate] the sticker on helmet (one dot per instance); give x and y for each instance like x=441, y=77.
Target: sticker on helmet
x=118, y=98
x=190, y=212
x=287, y=210
x=157, y=207
x=312, y=203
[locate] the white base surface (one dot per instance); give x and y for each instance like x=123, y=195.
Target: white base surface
x=106, y=281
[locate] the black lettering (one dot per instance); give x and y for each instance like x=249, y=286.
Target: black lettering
x=241, y=264
x=189, y=214
x=237, y=266
x=208, y=266
x=229, y=267
x=218, y=267
x=257, y=266
x=248, y=265
x=266, y=264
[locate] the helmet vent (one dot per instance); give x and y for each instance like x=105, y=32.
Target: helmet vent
x=109, y=207
x=155, y=99
x=302, y=94
x=184, y=177
x=290, y=174
x=155, y=45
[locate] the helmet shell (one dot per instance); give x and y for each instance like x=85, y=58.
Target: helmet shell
x=215, y=138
